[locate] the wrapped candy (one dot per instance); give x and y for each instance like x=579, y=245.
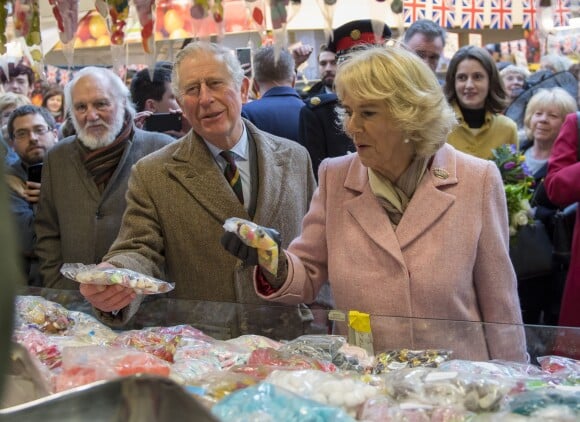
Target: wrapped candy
x=256, y=237
x=405, y=358
x=119, y=12
x=147, y=21
x=43, y=315
x=140, y=283
x=66, y=14
x=27, y=25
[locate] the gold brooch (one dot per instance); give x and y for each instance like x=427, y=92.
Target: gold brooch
x=315, y=100
x=440, y=173
x=355, y=34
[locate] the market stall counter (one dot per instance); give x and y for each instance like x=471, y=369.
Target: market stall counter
x=181, y=360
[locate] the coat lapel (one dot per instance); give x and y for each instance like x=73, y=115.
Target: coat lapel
x=429, y=203
x=194, y=167
x=270, y=178
x=364, y=208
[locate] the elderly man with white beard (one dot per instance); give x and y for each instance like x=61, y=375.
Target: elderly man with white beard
x=85, y=176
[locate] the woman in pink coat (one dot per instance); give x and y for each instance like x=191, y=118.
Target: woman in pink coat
x=407, y=227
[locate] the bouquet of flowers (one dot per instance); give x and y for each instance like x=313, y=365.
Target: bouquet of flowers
x=518, y=184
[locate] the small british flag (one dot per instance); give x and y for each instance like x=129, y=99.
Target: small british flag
x=529, y=14
x=501, y=14
x=472, y=14
x=443, y=13
x=413, y=10
x=562, y=12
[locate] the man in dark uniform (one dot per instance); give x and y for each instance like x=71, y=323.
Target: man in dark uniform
x=327, y=70
x=319, y=131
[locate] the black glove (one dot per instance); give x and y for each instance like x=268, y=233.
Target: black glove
x=234, y=245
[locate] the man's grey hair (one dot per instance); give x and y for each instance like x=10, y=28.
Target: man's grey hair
x=117, y=88
x=274, y=66
x=198, y=48
x=426, y=27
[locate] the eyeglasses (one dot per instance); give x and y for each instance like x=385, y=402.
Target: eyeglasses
x=22, y=134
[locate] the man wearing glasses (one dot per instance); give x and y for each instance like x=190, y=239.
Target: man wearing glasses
x=32, y=132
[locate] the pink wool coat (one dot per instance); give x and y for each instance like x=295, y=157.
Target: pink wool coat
x=447, y=260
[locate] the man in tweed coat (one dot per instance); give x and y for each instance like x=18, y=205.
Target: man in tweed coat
x=178, y=200
x=84, y=177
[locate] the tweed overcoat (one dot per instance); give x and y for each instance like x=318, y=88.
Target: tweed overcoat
x=178, y=201
x=446, y=262
x=74, y=221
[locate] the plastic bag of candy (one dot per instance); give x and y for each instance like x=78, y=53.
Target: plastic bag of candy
x=340, y=390
x=406, y=358
x=560, y=366
x=140, y=283
x=263, y=361
x=83, y=365
x=551, y=404
x=433, y=387
x=255, y=236
x=216, y=385
x=43, y=315
x=266, y=402
x=384, y=409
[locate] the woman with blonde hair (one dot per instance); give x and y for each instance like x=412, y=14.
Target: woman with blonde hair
x=407, y=226
x=545, y=113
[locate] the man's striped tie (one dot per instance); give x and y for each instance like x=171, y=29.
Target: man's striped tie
x=232, y=174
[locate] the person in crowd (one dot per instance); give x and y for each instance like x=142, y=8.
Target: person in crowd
x=155, y=96
x=327, y=71
x=9, y=101
x=427, y=40
x=32, y=132
x=53, y=101
x=378, y=226
x=278, y=108
x=318, y=129
x=554, y=62
x=475, y=90
x=20, y=79
x=514, y=80
x=545, y=113
x=85, y=176
x=563, y=189
x=180, y=197
x=575, y=70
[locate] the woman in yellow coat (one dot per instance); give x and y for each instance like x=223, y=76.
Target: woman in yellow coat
x=475, y=90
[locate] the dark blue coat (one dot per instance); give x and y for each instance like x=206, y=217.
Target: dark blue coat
x=320, y=132
x=277, y=112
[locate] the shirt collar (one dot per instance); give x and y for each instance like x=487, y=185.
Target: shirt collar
x=240, y=149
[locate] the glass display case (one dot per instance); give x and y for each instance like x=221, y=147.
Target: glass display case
x=458, y=340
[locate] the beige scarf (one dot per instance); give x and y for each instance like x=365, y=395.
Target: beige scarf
x=394, y=197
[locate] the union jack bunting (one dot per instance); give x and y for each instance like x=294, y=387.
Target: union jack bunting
x=529, y=14
x=413, y=10
x=501, y=14
x=562, y=12
x=443, y=13
x=472, y=14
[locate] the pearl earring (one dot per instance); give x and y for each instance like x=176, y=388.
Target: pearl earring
x=406, y=141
